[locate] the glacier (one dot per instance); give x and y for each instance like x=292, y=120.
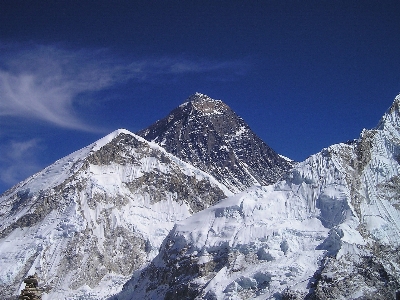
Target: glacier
x=328, y=230
x=86, y=222
x=125, y=219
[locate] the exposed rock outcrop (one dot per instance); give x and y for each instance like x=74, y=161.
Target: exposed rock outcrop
x=209, y=135
x=31, y=290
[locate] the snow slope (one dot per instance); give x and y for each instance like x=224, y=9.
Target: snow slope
x=85, y=223
x=122, y=208
x=329, y=230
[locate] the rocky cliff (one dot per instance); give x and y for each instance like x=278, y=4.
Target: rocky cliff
x=329, y=230
x=209, y=135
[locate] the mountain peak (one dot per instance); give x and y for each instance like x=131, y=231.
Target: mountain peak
x=197, y=97
x=115, y=199
x=204, y=105
x=391, y=118
x=395, y=107
x=209, y=135
x=109, y=137
x=333, y=218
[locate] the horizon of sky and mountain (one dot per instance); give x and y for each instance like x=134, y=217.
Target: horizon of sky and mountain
x=303, y=75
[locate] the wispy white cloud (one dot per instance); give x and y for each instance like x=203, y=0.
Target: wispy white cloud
x=44, y=82
x=48, y=83
x=18, y=160
x=150, y=69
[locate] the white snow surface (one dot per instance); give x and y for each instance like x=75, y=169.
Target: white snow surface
x=255, y=244
x=274, y=233
x=339, y=202
x=102, y=203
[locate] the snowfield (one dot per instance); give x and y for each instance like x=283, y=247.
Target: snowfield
x=123, y=219
x=85, y=223
x=329, y=230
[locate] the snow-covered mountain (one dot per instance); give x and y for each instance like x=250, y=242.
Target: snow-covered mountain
x=209, y=135
x=329, y=230
x=88, y=221
x=124, y=208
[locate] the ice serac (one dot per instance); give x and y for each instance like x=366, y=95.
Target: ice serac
x=208, y=134
x=329, y=230
x=88, y=221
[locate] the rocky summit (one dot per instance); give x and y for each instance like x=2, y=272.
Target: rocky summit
x=329, y=230
x=209, y=135
x=126, y=218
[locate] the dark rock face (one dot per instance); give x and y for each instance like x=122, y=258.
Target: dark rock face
x=31, y=290
x=351, y=188
x=209, y=135
x=170, y=275
x=344, y=278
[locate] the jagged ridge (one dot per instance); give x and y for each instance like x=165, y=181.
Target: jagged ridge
x=85, y=223
x=208, y=134
x=329, y=230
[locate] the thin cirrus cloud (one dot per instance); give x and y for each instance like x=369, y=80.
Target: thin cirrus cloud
x=43, y=82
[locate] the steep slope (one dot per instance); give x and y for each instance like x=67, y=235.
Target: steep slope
x=209, y=135
x=85, y=223
x=329, y=230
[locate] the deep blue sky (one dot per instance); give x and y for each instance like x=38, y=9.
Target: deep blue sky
x=303, y=74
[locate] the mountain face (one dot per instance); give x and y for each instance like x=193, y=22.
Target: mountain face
x=209, y=135
x=87, y=222
x=124, y=210
x=329, y=230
